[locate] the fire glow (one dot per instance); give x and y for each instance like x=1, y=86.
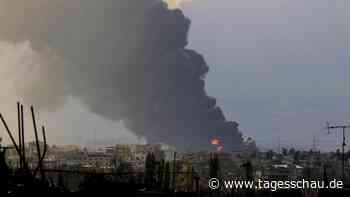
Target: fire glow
x=218, y=144
x=215, y=141
x=174, y=4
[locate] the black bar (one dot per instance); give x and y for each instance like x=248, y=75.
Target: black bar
x=174, y=172
x=343, y=155
x=23, y=141
x=45, y=143
x=9, y=133
x=44, y=154
x=36, y=140
x=19, y=135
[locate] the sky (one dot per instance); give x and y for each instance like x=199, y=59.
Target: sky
x=278, y=67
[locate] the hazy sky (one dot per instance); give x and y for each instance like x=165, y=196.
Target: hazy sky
x=279, y=67
x=72, y=123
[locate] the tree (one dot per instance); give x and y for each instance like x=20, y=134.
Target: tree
x=166, y=182
x=296, y=157
x=124, y=172
x=338, y=154
x=161, y=169
x=249, y=176
x=348, y=155
x=269, y=155
x=284, y=151
x=189, y=177
x=307, y=172
x=214, y=166
x=150, y=169
x=291, y=151
x=249, y=170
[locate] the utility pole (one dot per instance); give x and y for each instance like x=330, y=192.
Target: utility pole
x=343, y=130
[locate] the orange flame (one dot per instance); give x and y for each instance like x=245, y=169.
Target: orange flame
x=215, y=141
x=219, y=145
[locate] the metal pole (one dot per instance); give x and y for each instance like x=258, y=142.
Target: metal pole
x=42, y=157
x=45, y=148
x=19, y=135
x=40, y=165
x=9, y=133
x=23, y=141
x=343, y=156
x=45, y=143
x=36, y=138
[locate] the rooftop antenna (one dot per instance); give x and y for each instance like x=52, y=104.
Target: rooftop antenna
x=342, y=128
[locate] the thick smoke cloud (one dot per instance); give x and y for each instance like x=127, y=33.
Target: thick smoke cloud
x=126, y=60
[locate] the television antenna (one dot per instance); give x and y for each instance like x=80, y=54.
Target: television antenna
x=342, y=128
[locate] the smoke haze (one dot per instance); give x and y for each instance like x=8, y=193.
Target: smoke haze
x=123, y=59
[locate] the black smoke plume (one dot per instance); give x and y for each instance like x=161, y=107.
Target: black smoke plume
x=126, y=60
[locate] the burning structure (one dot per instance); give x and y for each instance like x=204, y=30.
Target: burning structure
x=125, y=60
x=218, y=144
